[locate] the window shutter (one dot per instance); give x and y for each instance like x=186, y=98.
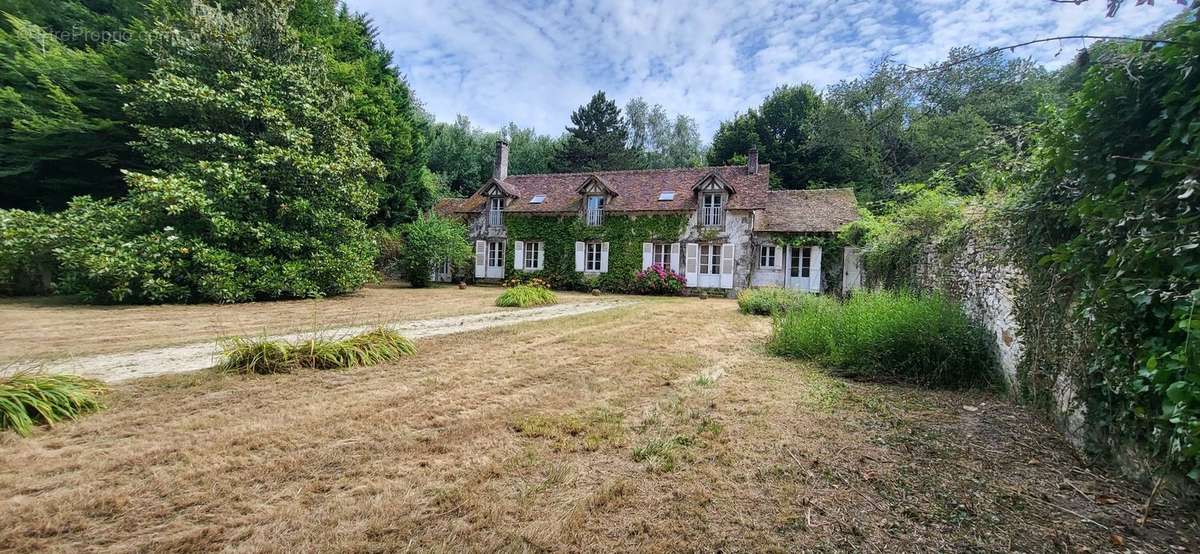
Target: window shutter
x=675, y=258
x=815, y=272
x=647, y=254
x=603, y=257
x=519, y=255
x=541, y=261
x=727, y=266
x=480, y=258
x=780, y=252
x=693, y=264
x=578, y=256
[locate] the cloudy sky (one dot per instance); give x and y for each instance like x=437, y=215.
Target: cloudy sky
x=533, y=63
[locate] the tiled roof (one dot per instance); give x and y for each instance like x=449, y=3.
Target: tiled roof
x=807, y=211
x=637, y=190
x=448, y=207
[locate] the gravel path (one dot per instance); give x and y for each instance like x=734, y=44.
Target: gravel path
x=192, y=357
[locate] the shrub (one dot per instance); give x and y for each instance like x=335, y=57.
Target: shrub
x=429, y=241
x=926, y=340
x=775, y=300
x=265, y=357
x=29, y=399
x=524, y=296
x=657, y=280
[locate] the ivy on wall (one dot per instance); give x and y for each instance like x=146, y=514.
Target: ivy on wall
x=558, y=235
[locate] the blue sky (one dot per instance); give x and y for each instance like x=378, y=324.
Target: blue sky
x=535, y=62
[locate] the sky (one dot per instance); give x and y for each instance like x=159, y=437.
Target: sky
x=533, y=63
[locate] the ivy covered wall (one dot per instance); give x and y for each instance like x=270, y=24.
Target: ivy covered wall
x=624, y=233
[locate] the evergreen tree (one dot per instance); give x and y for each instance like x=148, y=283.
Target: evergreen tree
x=597, y=139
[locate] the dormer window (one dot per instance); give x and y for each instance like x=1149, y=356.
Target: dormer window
x=712, y=209
x=496, y=211
x=595, y=210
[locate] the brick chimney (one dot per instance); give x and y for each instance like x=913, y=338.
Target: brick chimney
x=752, y=160
x=500, y=167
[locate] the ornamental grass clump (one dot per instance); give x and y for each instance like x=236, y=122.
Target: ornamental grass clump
x=925, y=340
x=524, y=296
x=265, y=357
x=28, y=399
x=776, y=300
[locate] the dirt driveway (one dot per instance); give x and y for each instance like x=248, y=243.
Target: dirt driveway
x=52, y=327
x=656, y=427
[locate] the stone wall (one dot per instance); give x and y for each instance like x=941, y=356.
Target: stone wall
x=977, y=274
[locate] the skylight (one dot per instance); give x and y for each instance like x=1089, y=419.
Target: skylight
x=666, y=195
x=537, y=199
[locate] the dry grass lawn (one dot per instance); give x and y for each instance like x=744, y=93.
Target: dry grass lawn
x=656, y=427
x=55, y=327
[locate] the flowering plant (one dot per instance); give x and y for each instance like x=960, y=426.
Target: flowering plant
x=658, y=280
x=519, y=279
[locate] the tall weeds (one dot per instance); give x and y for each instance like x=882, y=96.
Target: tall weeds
x=926, y=340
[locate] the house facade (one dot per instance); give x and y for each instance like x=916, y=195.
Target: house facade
x=721, y=227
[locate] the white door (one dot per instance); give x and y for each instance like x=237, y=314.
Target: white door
x=710, y=266
x=801, y=269
x=852, y=274
x=495, y=259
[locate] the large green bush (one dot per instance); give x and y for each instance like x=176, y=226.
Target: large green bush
x=926, y=340
x=260, y=187
x=432, y=240
x=1109, y=235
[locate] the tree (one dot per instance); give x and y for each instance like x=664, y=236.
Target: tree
x=657, y=141
x=596, y=140
x=260, y=186
x=528, y=152
x=431, y=240
x=62, y=133
x=378, y=97
x=784, y=129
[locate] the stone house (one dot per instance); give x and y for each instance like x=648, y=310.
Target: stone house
x=733, y=231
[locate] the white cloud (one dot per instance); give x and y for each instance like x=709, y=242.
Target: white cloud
x=501, y=62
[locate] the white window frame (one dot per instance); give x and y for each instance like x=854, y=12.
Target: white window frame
x=710, y=259
x=766, y=256
x=496, y=211
x=594, y=215
x=712, y=209
x=800, y=264
x=495, y=254
x=532, y=256
x=592, y=257
x=662, y=255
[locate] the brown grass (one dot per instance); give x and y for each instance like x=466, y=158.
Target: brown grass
x=53, y=327
x=523, y=439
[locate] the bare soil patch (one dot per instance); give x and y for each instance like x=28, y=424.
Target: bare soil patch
x=55, y=327
x=661, y=426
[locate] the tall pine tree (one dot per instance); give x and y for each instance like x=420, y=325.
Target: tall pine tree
x=597, y=139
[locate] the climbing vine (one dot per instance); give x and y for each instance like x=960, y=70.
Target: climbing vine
x=1109, y=235
x=558, y=235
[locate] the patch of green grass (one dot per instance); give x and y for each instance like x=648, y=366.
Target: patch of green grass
x=777, y=300
x=524, y=296
x=28, y=399
x=704, y=381
x=660, y=454
x=926, y=340
x=264, y=357
x=588, y=430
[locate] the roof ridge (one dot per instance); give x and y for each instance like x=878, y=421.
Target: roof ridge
x=575, y=173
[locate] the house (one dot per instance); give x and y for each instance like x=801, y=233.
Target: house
x=730, y=230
